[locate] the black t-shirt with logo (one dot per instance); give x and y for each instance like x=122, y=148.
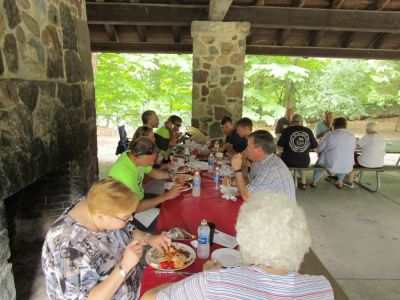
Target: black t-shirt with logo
x=297, y=141
x=239, y=143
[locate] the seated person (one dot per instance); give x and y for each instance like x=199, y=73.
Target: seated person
x=148, y=131
x=143, y=131
x=92, y=251
x=324, y=126
x=244, y=127
x=268, y=172
x=273, y=238
x=131, y=167
x=336, y=153
x=373, y=146
x=233, y=142
x=283, y=122
x=296, y=142
x=150, y=119
x=171, y=132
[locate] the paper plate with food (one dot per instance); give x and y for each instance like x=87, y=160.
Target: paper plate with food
x=184, y=177
x=178, y=257
x=180, y=170
x=169, y=185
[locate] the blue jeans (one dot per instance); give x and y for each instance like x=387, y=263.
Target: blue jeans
x=317, y=174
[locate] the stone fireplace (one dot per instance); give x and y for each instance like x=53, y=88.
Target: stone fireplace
x=48, y=145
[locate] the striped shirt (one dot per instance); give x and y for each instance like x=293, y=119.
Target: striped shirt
x=248, y=282
x=273, y=175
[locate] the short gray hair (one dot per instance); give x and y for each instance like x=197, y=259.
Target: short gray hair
x=263, y=139
x=272, y=230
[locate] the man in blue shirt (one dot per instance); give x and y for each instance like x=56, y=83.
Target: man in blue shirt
x=324, y=125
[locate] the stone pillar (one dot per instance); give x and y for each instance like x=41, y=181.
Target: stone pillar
x=218, y=71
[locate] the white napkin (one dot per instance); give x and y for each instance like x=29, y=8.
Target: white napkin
x=147, y=217
x=224, y=239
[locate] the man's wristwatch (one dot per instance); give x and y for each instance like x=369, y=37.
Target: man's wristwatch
x=238, y=171
x=121, y=271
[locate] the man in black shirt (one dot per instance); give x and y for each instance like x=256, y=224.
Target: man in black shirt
x=233, y=142
x=297, y=141
x=150, y=119
x=283, y=122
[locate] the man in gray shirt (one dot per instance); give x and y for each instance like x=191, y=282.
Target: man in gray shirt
x=269, y=172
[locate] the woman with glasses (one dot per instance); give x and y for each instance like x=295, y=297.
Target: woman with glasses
x=92, y=251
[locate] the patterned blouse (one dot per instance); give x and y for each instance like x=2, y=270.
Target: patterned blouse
x=74, y=259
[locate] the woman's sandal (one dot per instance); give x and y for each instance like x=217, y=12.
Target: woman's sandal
x=303, y=186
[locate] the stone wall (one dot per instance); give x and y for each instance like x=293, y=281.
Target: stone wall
x=218, y=72
x=47, y=106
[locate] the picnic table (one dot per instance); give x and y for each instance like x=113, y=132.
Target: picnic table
x=186, y=212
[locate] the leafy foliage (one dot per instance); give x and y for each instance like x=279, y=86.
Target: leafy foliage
x=128, y=84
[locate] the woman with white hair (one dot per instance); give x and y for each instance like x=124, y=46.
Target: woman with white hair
x=373, y=146
x=273, y=237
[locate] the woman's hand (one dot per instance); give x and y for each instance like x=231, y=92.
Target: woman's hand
x=160, y=242
x=212, y=264
x=132, y=254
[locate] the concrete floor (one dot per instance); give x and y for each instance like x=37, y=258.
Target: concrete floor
x=356, y=235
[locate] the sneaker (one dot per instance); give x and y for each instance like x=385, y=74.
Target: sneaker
x=349, y=185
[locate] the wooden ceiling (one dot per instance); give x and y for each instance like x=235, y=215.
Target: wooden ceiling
x=310, y=28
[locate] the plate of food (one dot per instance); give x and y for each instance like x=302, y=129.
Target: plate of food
x=169, y=185
x=184, y=177
x=180, y=170
x=178, y=257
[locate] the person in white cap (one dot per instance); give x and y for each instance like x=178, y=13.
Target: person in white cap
x=373, y=146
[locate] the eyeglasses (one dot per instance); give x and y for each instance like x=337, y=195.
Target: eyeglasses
x=147, y=152
x=178, y=125
x=125, y=220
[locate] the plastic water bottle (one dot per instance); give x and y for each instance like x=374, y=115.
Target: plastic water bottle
x=203, y=233
x=216, y=178
x=211, y=163
x=187, y=154
x=196, y=191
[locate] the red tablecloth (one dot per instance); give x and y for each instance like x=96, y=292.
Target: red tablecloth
x=187, y=212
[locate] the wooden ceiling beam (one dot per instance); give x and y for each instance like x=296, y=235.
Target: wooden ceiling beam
x=347, y=39
x=111, y=32
x=336, y=4
x=283, y=34
x=379, y=5
x=142, y=33
x=217, y=9
x=282, y=37
x=314, y=38
x=323, y=52
x=250, y=49
x=377, y=41
x=176, y=34
x=258, y=16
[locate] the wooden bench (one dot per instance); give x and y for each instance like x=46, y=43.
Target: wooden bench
x=377, y=171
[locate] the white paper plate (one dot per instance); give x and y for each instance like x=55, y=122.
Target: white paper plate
x=169, y=185
x=227, y=257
